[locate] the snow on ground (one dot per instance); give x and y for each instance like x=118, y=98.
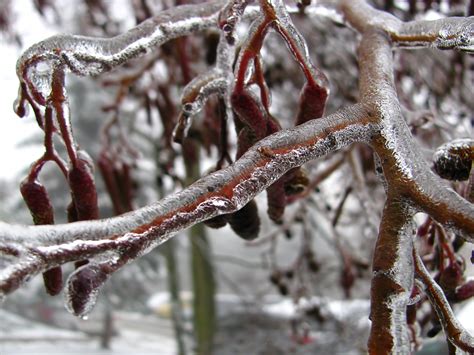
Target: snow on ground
x=136, y=334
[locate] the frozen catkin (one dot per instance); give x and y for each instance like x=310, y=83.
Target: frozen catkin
x=246, y=222
x=37, y=199
x=82, y=288
x=453, y=160
x=83, y=191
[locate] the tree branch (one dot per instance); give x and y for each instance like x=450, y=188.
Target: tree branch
x=35, y=249
x=453, y=329
x=392, y=280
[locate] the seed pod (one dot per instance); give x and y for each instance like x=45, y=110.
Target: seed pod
x=434, y=330
x=126, y=185
x=347, y=279
x=313, y=265
x=41, y=209
x=71, y=212
x=250, y=112
x=276, y=201
x=38, y=202
x=106, y=170
x=83, y=287
x=312, y=103
x=296, y=181
x=244, y=141
x=216, y=222
x=465, y=291
x=84, y=194
x=53, y=280
x=84, y=204
x=450, y=278
x=283, y=289
x=246, y=222
x=453, y=160
x=275, y=277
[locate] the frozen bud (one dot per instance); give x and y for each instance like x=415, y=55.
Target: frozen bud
x=451, y=277
x=38, y=202
x=71, y=212
x=82, y=288
x=465, y=291
x=275, y=277
x=296, y=181
x=41, y=209
x=313, y=265
x=250, y=112
x=53, y=280
x=246, y=222
x=84, y=194
x=216, y=222
x=276, y=201
x=347, y=280
x=434, y=330
x=312, y=103
x=283, y=289
x=453, y=160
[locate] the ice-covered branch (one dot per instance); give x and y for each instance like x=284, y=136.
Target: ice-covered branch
x=34, y=249
x=93, y=56
x=448, y=33
x=455, y=332
x=392, y=280
x=411, y=186
x=404, y=167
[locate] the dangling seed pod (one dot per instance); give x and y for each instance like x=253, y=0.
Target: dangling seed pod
x=250, y=112
x=246, y=222
x=84, y=205
x=217, y=222
x=83, y=287
x=37, y=199
x=450, y=278
x=312, y=103
x=84, y=194
x=38, y=202
x=275, y=277
x=296, y=181
x=465, y=291
x=276, y=200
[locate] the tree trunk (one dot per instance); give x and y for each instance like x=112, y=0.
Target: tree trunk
x=201, y=263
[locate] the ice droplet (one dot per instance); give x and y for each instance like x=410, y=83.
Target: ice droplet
x=188, y=108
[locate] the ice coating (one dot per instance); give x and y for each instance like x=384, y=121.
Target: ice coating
x=376, y=120
x=156, y=223
x=82, y=288
x=398, y=144
x=91, y=56
x=297, y=45
x=458, y=335
x=216, y=81
x=453, y=160
x=449, y=33
x=401, y=273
